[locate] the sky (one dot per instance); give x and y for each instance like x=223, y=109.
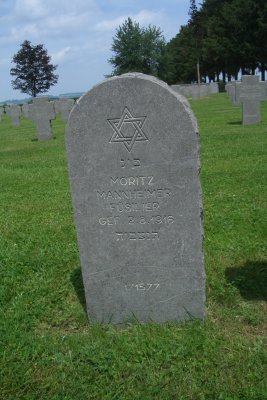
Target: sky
x=77, y=35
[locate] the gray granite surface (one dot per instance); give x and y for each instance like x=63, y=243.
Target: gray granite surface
x=250, y=93
x=14, y=112
x=133, y=155
x=41, y=111
x=64, y=106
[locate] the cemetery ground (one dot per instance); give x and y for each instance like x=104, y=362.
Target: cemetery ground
x=48, y=348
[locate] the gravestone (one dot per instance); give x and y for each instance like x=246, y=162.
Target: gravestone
x=41, y=111
x=25, y=110
x=263, y=88
x=198, y=91
x=227, y=87
x=64, y=106
x=250, y=92
x=184, y=90
x=14, y=112
x=2, y=111
x=213, y=87
x=133, y=155
x=233, y=92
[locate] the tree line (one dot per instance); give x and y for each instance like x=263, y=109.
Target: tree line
x=221, y=39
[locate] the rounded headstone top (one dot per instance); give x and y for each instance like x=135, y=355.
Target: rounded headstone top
x=147, y=79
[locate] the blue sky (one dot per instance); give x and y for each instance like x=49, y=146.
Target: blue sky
x=77, y=34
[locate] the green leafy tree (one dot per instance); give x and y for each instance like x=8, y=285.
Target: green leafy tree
x=33, y=72
x=137, y=49
x=183, y=52
x=195, y=25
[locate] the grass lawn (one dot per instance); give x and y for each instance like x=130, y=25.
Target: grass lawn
x=49, y=351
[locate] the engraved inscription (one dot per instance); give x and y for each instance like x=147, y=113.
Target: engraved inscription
x=132, y=205
x=110, y=220
x=133, y=163
x=132, y=180
x=143, y=287
x=143, y=220
x=154, y=219
x=127, y=129
x=137, y=236
x=133, y=194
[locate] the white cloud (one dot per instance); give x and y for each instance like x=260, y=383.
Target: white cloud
x=31, y=9
x=63, y=21
x=30, y=30
x=144, y=17
x=108, y=25
x=60, y=55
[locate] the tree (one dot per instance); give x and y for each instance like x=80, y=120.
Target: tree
x=137, y=49
x=183, y=52
x=33, y=71
x=195, y=25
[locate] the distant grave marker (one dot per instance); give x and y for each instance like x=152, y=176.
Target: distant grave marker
x=14, y=112
x=25, y=109
x=251, y=92
x=2, y=111
x=213, y=87
x=133, y=155
x=196, y=91
x=41, y=111
x=64, y=106
x=232, y=90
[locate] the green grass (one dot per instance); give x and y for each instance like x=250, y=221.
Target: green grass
x=48, y=350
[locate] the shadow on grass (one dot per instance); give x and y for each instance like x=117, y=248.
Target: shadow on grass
x=250, y=279
x=77, y=281
x=235, y=123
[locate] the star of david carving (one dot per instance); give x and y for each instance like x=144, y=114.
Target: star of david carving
x=127, y=129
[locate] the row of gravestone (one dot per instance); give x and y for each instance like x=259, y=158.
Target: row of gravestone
x=196, y=91
x=133, y=158
x=41, y=112
x=249, y=92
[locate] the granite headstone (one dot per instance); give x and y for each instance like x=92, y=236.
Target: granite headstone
x=2, y=111
x=14, y=112
x=133, y=155
x=64, y=106
x=213, y=87
x=41, y=111
x=25, y=110
x=251, y=92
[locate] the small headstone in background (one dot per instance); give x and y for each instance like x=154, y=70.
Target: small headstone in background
x=2, y=111
x=14, y=112
x=233, y=92
x=263, y=86
x=227, y=86
x=251, y=93
x=213, y=87
x=41, y=111
x=64, y=106
x=25, y=110
x=184, y=90
x=204, y=90
x=194, y=90
x=133, y=154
